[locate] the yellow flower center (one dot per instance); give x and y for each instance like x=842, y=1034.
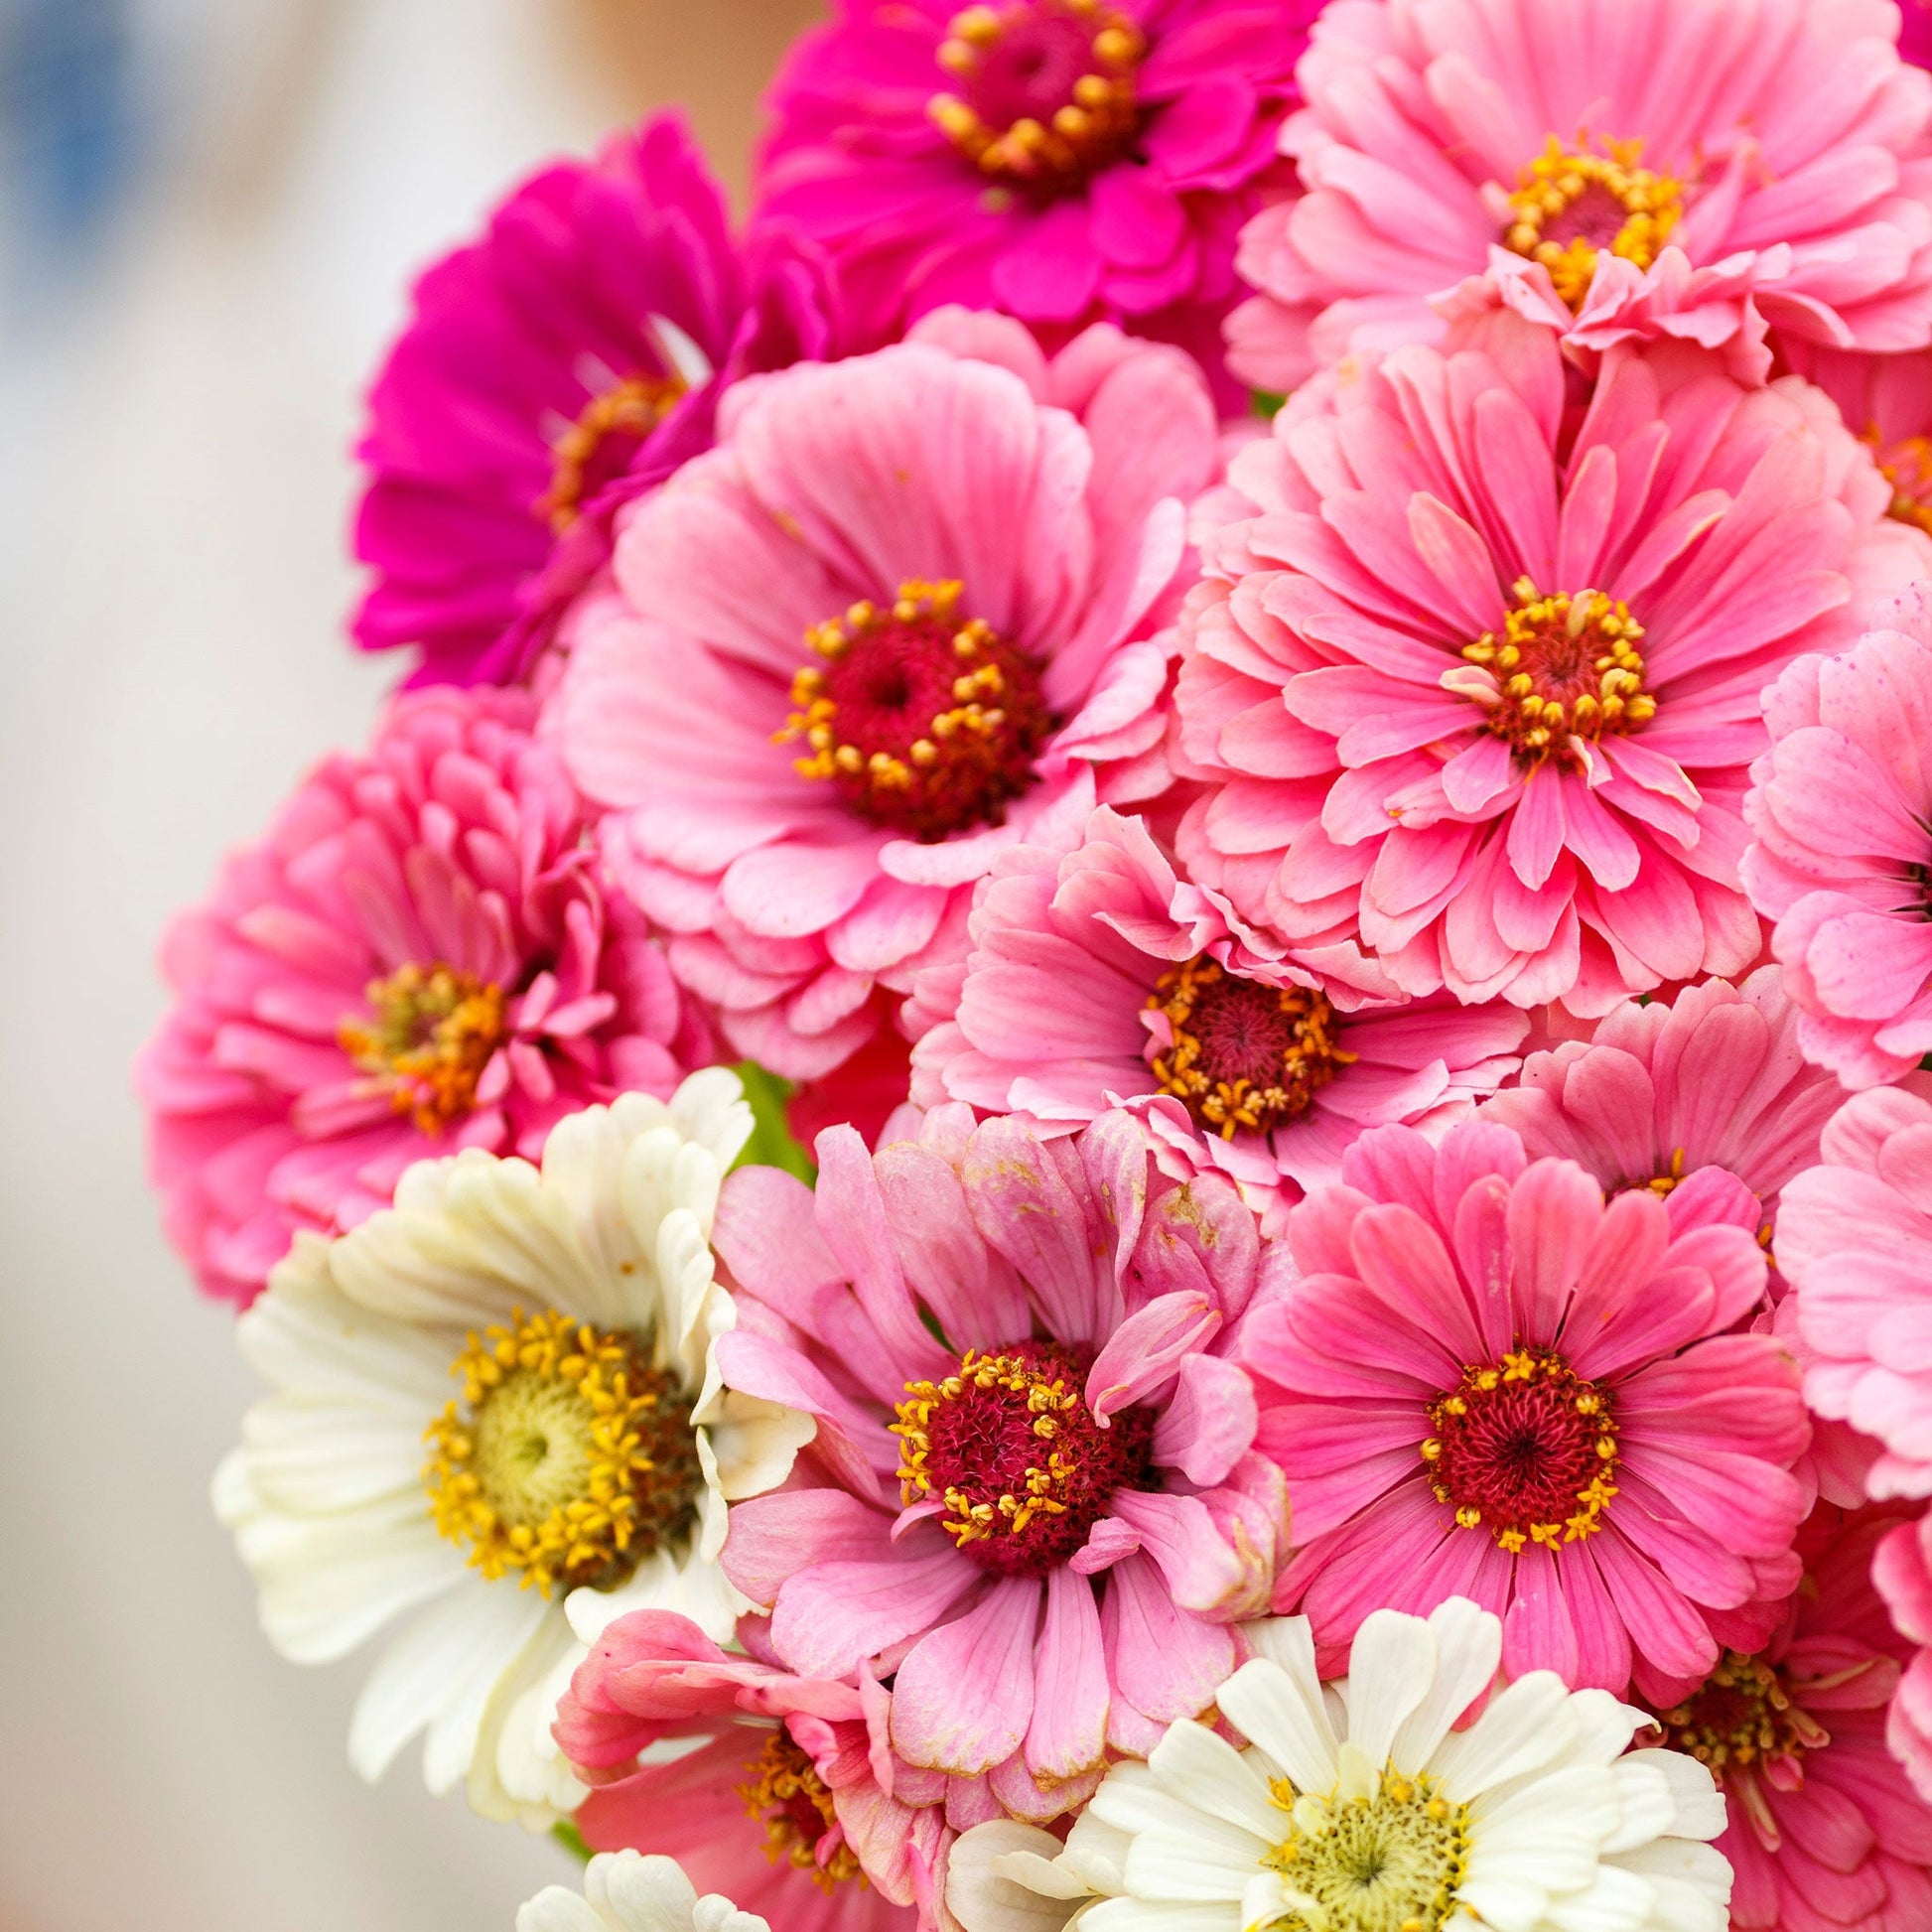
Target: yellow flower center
x=1743, y=1713
x=922, y=722
x=1244, y=1055
x=1526, y=1448
x=430, y=1034
x=569, y=1457
x=1569, y=205
x=784, y=1792
x=1564, y=671
x=598, y=445
x=1390, y=1859
x=1044, y=90
x=1907, y=466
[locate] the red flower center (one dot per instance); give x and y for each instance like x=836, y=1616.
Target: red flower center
x=921, y=723
x=1745, y=1714
x=1562, y=671
x=1244, y=1055
x=784, y=1793
x=1010, y=1447
x=429, y=1033
x=1525, y=1446
x=1045, y=89
x=599, y=447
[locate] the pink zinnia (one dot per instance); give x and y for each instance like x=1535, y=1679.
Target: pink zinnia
x=420, y=956
x=1037, y=1509
x=1491, y=1383
x=1854, y=1238
x=1824, y=1834
x=1704, y=1100
x=1062, y=160
x=1102, y=978
x=1618, y=169
x=771, y=1798
x=551, y=371
x=906, y=614
x=1478, y=683
x=1902, y=1571
x=1841, y=820
x=1886, y=401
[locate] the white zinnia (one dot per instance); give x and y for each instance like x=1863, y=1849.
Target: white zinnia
x=501, y=1266
x=625, y=1891
x=1357, y=1807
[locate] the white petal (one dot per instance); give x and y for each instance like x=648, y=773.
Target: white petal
x=711, y=1109
x=313, y=1453
x=1285, y=1715
x=1522, y=1728
x=1697, y=1806
x=1138, y=1915
x=641, y=1893
x=554, y=1909
x=1217, y=1779
x=1618, y=1901
x=1189, y=1866
x=304, y=1335
x=1005, y=1876
x=756, y=1443
x=1391, y=1670
x=1096, y=1850
x=1469, y=1649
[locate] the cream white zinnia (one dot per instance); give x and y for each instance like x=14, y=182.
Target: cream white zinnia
x=497, y=1406
x=625, y=1891
x=1357, y=1808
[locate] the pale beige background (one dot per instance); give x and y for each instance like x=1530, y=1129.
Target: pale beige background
x=173, y=492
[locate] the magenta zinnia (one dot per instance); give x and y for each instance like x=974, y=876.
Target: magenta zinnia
x=1036, y=1506
x=1478, y=683
x=1062, y=160
x=420, y=956
x=1491, y=1382
x=552, y=370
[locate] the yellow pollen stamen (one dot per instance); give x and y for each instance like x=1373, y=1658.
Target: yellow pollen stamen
x=1565, y=200
x=433, y=1031
x=632, y=408
x=1078, y=135
x=788, y=1796
x=1212, y=1017
x=1907, y=466
x=567, y=1458
x=1564, y=671
x=1749, y=1712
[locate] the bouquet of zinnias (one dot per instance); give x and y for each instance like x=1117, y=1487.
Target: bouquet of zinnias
x=1105, y=1102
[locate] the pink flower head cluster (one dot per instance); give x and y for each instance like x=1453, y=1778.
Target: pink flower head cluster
x=422, y=955
x=1475, y=681
x=1040, y=1598
x=1616, y=170
x=551, y=371
x=1064, y=161
x=963, y=557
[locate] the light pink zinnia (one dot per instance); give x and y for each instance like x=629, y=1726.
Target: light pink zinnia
x=773, y=1799
x=1854, y=1238
x=1824, y=1834
x=1902, y=1571
x=940, y=572
x=1886, y=401
x=420, y=956
x=1491, y=1383
x=1101, y=979
x=1840, y=813
x=1704, y=1100
x=1478, y=681
x=1620, y=169
x=1037, y=1594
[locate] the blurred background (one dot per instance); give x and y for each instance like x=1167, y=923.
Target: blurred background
x=208, y=214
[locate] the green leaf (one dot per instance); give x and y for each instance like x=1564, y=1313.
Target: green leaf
x=572, y=1840
x=772, y=1144
x=1267, y=404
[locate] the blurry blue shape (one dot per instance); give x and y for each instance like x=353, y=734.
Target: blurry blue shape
x=66, y=126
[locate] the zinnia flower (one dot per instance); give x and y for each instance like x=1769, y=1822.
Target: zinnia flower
x=1036, y=1506
x=1357, y=1807
x=1856, y=1241
x=496, y=1405
x=1489, y=1382
x=1901, y=1570
x=760, y=1780
x=905, y=615
x=1841, y=819
x=1618, y=169
x=1101, y=979
x=1824, y=1835
x=1062, y=160
x=624, y=1891
x=1886, y=401
x=421, y=955
x=1478, y=681
x=1704, y=1100
x=552, y=370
